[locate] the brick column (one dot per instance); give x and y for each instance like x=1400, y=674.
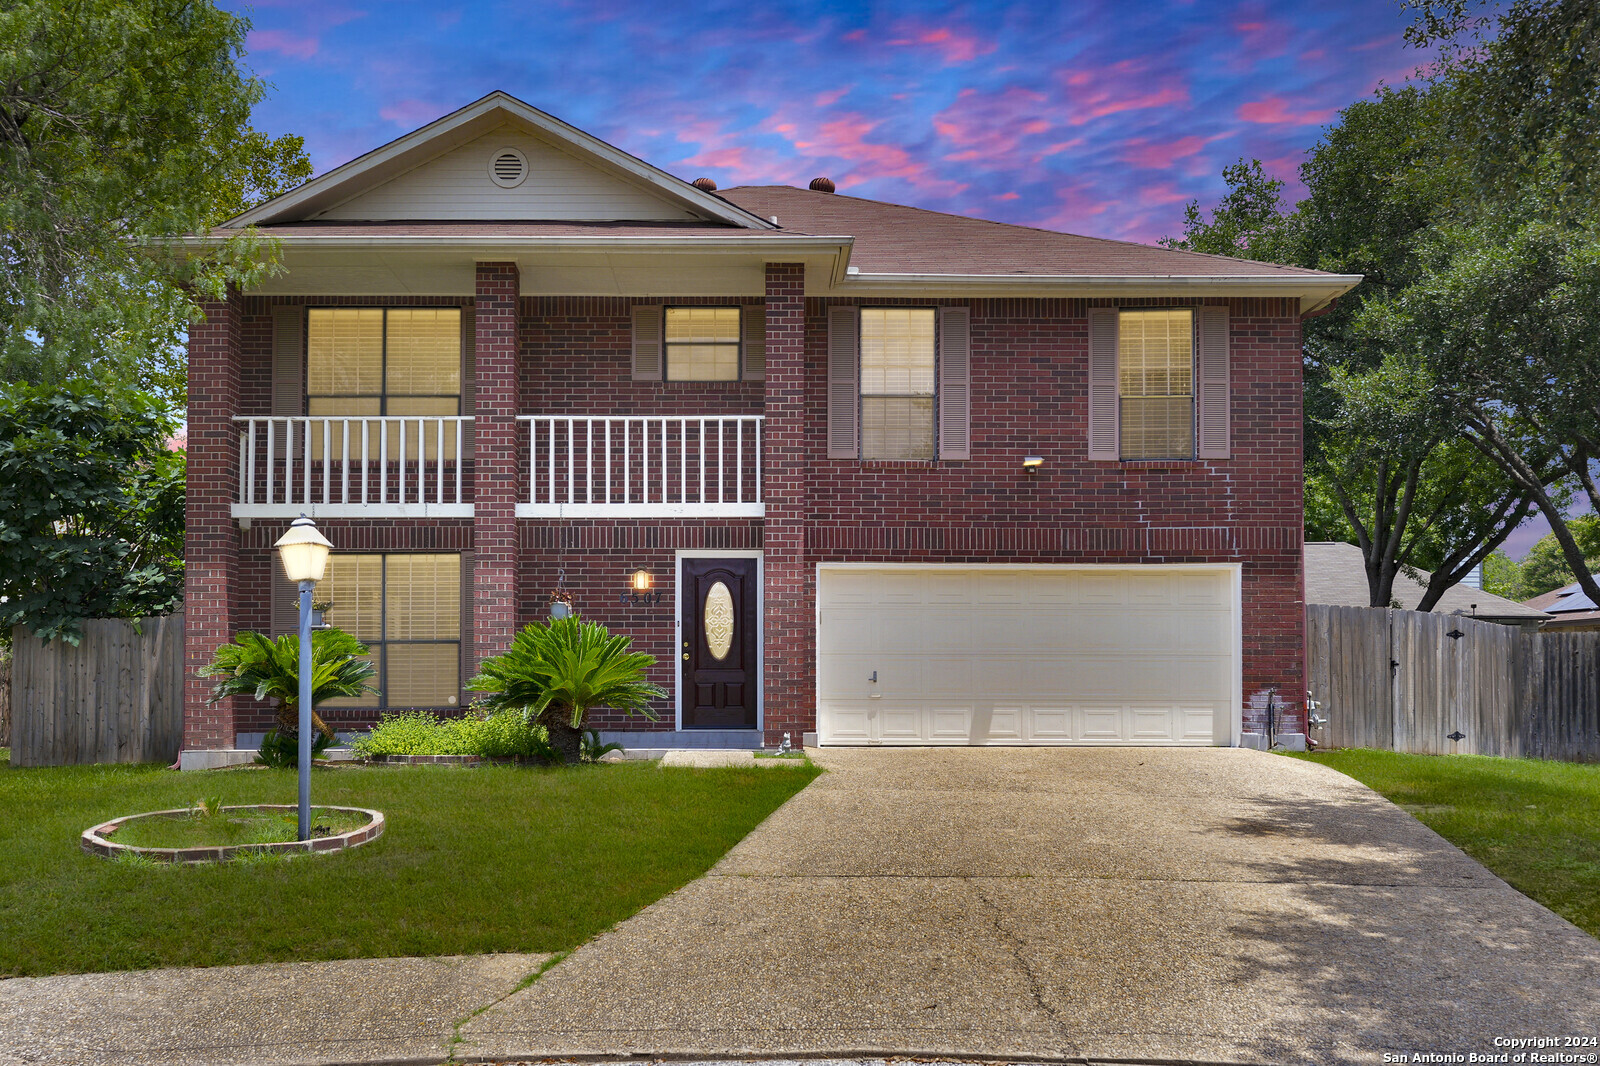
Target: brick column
x=790, y=678
x=495, y=449
x=211, y=536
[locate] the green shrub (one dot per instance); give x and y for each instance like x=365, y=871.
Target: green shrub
x=496, y=735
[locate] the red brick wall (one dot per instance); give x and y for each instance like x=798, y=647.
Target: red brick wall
x=599, y=558
x=1030, y=396
x=211, y=537
x=1029, y=364
x=496, y=449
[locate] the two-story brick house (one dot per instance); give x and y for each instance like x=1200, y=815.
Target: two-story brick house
x=846, y=468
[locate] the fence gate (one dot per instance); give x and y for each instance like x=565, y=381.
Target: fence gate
x=117, y=696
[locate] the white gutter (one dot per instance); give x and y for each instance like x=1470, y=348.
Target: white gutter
x=1320, y=288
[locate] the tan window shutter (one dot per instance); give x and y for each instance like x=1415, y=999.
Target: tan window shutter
x=288, y=372
x=1103, y=384
x=844, y=394
x=1211, y=393
x=285, y=600
x=469, y=349
x=955, y=383
x=647, y=342
x=753, y=321
x=469, y=663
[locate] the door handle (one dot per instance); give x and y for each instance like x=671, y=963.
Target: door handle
x=686, y=656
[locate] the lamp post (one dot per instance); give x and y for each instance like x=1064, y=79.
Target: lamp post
x=304, y=553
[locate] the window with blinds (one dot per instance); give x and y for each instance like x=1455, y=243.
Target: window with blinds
x=1155, y=361
x=702, y=343
x=407, y=610
x=396, y=361
x=897, y=382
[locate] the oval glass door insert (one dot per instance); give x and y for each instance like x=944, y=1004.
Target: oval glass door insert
x=719, y=621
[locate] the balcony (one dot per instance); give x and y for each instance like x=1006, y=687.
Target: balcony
x=643, y=466
x=354, y=467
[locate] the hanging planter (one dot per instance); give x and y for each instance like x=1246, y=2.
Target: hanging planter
x=319, y=613
x=561, y=604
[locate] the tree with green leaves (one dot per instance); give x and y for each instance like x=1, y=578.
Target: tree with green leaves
x=1507, y=307
x=559, y=672
x=254, y=665
x=123, y=124
x=91, y=507
x=1386, y=466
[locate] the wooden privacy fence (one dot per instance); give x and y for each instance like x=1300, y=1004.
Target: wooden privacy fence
x=115, y=697
x=1408, y=680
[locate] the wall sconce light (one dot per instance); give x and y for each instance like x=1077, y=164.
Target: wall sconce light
x=641, y=581
x=1032, y=463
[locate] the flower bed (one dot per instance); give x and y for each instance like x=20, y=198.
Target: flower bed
x=97, y=841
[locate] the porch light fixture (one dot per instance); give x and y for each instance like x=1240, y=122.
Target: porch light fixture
x=1032, y=463
x=304, y=552
x=642, y=581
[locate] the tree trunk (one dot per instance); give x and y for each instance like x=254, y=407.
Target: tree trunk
x=563, y=737
x=289, y=722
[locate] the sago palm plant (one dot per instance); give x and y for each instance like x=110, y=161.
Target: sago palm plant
x=255, y=666
x=559, y=672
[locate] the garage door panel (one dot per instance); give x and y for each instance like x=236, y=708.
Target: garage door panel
x=901, y=723
x=1032, y=656
x=1048, y=725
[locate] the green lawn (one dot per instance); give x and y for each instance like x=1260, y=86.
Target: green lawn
x=473, y=860
x=1534, y=823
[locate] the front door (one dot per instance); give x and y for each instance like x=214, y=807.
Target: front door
x=719, y=643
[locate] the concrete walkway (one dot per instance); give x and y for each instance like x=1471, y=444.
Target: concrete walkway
x=1214, y=905
x=1206, y=905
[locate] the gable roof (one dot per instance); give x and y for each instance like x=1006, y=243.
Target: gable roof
x=1336, y=574
x=896, y=239
x=421, y=146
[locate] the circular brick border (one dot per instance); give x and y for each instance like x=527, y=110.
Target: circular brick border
x=95, y=843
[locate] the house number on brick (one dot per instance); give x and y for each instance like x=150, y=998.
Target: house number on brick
x=641, y=599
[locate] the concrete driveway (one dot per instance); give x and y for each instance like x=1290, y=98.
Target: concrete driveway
x=1216, y=905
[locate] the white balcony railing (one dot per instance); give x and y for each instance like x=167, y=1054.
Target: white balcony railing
x=623, y=466
x=396, y=466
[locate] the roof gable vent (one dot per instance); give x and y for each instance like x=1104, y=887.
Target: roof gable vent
x=508, y=167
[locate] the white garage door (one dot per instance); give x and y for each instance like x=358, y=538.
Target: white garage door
x=1050, y=655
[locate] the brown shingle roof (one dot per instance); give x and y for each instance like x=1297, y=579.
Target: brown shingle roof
x=894, y=239
x=1336, y=574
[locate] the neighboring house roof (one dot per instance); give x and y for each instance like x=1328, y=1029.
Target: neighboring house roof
x=1568, y=607
x=1336, y=574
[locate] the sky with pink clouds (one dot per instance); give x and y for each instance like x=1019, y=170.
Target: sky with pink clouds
x=1093, y=117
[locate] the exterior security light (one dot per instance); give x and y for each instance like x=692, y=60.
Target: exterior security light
x=641, y=581
x=304, y=551
x=1032, y=463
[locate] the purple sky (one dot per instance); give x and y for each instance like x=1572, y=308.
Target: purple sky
x=1096, y=118
x=1091, y=117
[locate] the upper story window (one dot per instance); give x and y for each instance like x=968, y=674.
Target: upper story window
x=702, y=343
x=897, y=382
x=1155, y=361
x=383, y=361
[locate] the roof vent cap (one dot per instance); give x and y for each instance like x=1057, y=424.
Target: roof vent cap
x=508, y=167
x=821, y=184
x=704, y=184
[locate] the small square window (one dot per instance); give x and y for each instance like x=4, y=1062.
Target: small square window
x=702, y=344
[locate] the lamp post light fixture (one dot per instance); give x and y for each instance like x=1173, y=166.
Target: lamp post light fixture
x=304, y=553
